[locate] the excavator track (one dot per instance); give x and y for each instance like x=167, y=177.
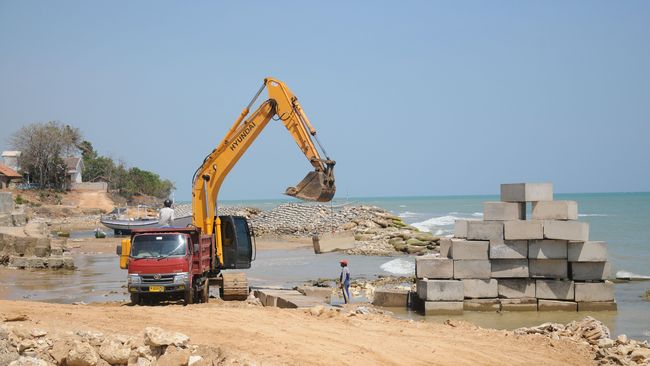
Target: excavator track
x=234, y=286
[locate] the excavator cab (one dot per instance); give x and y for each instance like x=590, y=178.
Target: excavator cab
x=317, y=186
x=236, y=242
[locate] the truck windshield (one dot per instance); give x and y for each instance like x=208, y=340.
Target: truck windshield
x=159, y=246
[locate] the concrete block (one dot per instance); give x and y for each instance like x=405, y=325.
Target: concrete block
x=489, y=305
x=554, y=290
x=470, y=249
x=460, y=228
x=566, y=230
x=472, y=268
x=594, y=292
x=588, y=251
x=445, y=248
x=324, y=293
x=524, y=304
x=555, y=210
x=556, y=305
x=590, y=271
x=475, y=289
x=526, y=192
x=298, y=302
x=484, y=230
x=6, y=220
x=523, y=230
x=391, y=298
x=509, y=268
x=547, y=249
x=6, y=203
x=19, y=219
x=434, y=267
x=504, y=211
x=597, y=306
x=508, y=249
x=440, y=290
x=443, y=307
x=516, y=288
x=548, y=268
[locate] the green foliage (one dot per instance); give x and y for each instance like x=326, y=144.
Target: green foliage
x=20, y=200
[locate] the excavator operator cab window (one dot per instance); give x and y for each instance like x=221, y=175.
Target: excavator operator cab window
x=236, y=242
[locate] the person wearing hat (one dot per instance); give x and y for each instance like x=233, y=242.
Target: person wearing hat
x=344, y=280
x=166, y=214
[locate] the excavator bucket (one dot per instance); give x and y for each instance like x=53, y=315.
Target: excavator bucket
x=316, y=186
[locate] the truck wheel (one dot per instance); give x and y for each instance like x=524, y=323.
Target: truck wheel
x=189, y=296
x=205, y=294
x=135, y=299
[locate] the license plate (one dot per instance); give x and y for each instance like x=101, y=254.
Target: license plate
x=156, y=289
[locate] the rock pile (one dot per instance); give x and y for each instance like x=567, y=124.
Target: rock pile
x=508, y=263
x=619, y=351
x=22, y=346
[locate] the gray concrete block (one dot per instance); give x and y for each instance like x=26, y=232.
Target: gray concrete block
x=434, y=267
x=391, y=298
x=547, y=249
x=443, y=308
x=484, y=230
x=529, y=304
x=440, y=290
x=469, y=249
x=488, y=305
x=548, y=268
x=588, y=251
x=523, y=230
x=590, y=271
x=445, y=248
x=472, y=268
x=509, y=268
x=460, y=228
x=555, y=210
x=504, y=211
x=6, y=203
x=555, y=290
x=324, y=293
x=556, y=305
x=527, y=192
x=508, y=249
x=19, y=219
x=597, y=306
x=566, y=230
x=475, y=288
x=516, y=288
x=594, y=292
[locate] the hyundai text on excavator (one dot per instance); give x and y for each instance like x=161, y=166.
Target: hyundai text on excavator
x=168, y=263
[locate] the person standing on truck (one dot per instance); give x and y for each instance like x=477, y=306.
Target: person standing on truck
x=166, y=214
x=344, y=280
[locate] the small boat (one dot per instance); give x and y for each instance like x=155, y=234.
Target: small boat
x=119, y=221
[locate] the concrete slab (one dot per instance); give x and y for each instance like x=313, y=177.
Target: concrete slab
x=547, y=249
x=485, y=305
x=324, y=293
x=590, y=271
x=509, y=268
x=594, y=292
x=588, y=251
x=434, y=267
x=566, y=230
x=445, y=248
x=332, y=242
x=555, y=290
x=504, y=211
x=524, y=304
x=460, y=229
x=470, y=249
x=484, y=230
x=523, y=230
x=475, y=288
x=526, y=192
x=548, y=268
x=516, y=288
x=6, y=203
x=472, y=268
x=556, y=305
x=440, y=290
x=443, y=308
x=508, y=249
x=269, y=297
x=597, y=306
x=391, y=298
x=298, y=302
x=555, y=210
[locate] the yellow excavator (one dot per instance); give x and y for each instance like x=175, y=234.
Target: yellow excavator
x=168, y=263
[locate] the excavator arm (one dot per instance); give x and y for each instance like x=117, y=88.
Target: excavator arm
x=318, y=185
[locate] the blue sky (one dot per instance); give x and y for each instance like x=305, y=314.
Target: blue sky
x=410, y=98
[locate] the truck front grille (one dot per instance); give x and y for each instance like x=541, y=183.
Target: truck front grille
x=154, y=280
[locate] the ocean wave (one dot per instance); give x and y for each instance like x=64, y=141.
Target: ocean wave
x=624, y=275
x=434, y=222
x=399, y=266
x=402, y=206
x=592, y=215
x=407, y=214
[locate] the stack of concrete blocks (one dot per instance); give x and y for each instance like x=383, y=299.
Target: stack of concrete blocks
x=508, y=263
x=9, y=216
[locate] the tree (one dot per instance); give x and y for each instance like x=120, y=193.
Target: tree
x=44, y=146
